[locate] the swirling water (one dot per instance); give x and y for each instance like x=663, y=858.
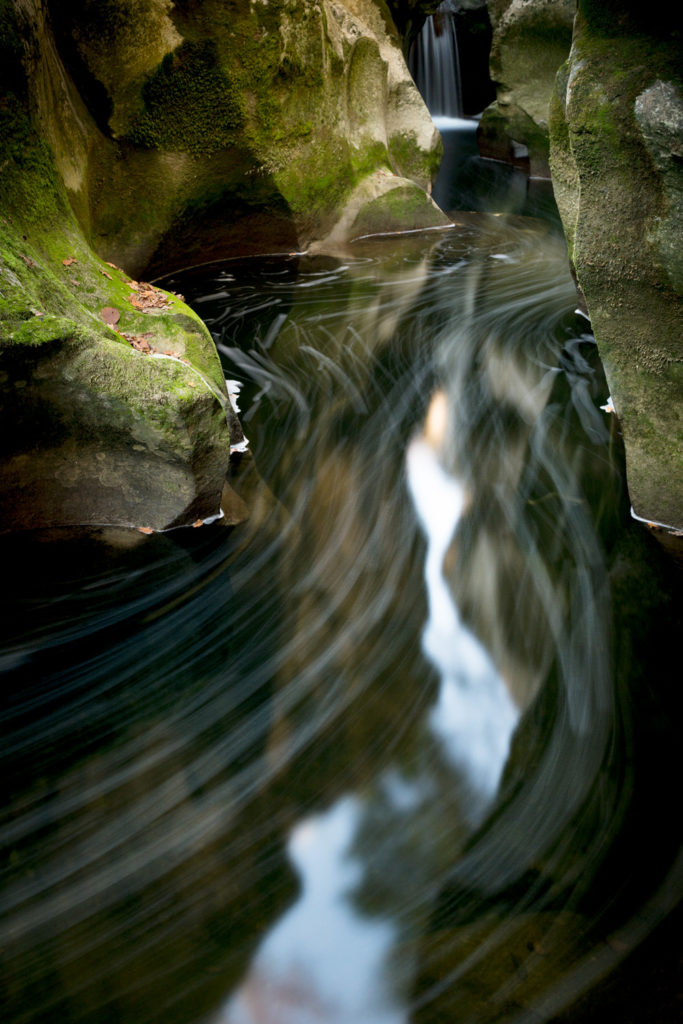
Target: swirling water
x=399, y=746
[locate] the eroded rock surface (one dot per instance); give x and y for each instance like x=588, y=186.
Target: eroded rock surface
x=147, y=136
x=617, y=147
x=196, y=130
x=531, y=39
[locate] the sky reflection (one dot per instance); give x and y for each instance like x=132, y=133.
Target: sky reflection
x=323, y=963
x=474, y=716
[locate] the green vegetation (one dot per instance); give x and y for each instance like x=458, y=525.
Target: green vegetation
x=409, y=161
x=403, y=208
x=191, y=104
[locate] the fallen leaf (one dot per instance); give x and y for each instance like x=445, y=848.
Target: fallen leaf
x=74, y=281
x=146, y=298
x=69, y=261
x=112, y=265
x=198, y=522
x=105, y=273
x=139, y=342
x=145, y=529
x=27, y=260
x=110, y=315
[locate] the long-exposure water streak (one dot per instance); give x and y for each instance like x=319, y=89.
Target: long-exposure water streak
x=394, y=748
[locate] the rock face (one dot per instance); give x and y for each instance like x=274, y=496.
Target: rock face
x=113, y=398
x=531, y=39
x=616, y=157
x=193, y=130
x=154, y=135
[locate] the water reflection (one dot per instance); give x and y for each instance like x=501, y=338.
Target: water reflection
x=237, y=760
x=322, y=962
x=474, y=715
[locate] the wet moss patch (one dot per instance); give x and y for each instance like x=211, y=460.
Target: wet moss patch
x=191, y=104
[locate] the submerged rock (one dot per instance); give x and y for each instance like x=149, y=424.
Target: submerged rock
x=617, y=142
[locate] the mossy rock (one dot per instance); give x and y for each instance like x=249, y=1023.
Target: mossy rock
x=507, y=133
x=301, y=100
x=616, y=130
x=403, y=208
x=190, y=103
x=530, y=42
x=95, y=430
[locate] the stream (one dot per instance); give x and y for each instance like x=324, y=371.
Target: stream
x=398, y=746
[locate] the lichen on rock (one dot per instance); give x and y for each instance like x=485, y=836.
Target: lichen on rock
x=616, y=139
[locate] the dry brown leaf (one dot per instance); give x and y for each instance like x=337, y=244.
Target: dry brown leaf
x=139, y=342
x=112, y=265
x=145, y=529
x=105, y=273
x=198, y=522
x=110, y=315
x=69, y=261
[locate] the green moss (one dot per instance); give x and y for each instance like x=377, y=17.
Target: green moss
x=368, y=158
x=405, y=208
x=319, y=179
x=323, y=174
x=44, y=329
x=191, y=103
x=410, y=161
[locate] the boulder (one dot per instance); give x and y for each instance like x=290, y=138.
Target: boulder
x=616, y=157
x=113, y=399
x=531, y=39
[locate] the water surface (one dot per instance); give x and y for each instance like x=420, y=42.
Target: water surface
x=398, y=747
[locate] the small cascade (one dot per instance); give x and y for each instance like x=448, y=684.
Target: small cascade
x=435, y=64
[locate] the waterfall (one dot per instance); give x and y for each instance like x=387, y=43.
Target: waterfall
x=435, y=65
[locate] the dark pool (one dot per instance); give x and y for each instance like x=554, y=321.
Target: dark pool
x=403, y=745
